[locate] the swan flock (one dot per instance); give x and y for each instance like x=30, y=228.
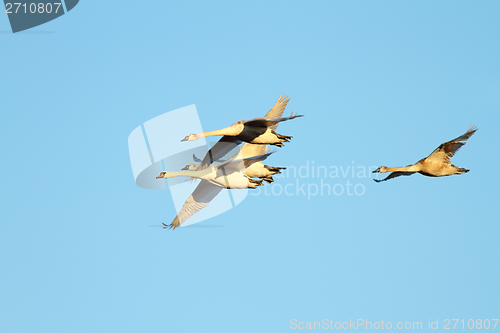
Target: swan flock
x=246, y=170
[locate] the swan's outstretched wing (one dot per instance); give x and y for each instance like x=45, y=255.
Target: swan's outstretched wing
x=278, y=108
x=448, y=149
x=201, y=197
x=268, y=122
x=250, y=149
x=395, y=174
x=472, y=129
x=219, y=150
x=254, y=159
x=234, y=161
x=196, y=159
x=247, y=150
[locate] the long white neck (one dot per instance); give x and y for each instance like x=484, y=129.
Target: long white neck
x=187, y=173
x=411, y=168
x=231, y=131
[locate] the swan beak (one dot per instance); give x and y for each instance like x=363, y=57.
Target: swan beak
x=377, y=170
x=185, y=168
x=161, y=175
x=185, y=139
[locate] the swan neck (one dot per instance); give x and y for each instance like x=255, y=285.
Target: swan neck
x=406, y=168
x=187, y=173
x=212, y=133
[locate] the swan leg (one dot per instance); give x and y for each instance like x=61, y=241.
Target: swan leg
x=285, y=138
x=268, y=179
x=274, y=170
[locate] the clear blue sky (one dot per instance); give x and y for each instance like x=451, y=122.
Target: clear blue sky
x=379, y=83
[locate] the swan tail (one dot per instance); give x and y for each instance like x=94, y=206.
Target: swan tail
x=461, y=170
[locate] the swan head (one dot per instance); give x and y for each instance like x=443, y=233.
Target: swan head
x=190, y=167
x=163, y=174
x=190, y=137
x=380, y=169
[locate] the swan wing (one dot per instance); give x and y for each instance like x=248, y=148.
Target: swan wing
x=278, y=109
x=251, y=160
x=467, y=135
x=395, y=174
x=199, y=199
x=247, y=150
x=250, y=149
x=268, y=122
x=235, y=164
x=219, y=150
x=196, y=159
x=447, y=150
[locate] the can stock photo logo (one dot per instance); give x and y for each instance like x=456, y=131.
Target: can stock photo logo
x=156, y=146
x=26, y=15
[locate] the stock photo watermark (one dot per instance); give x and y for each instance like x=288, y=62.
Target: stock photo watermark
x=311, y=180
x=25, y=15
x=156, y=145
x=359, y=324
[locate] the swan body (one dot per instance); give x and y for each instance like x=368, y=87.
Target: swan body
x=437, y=164
x=255, y=131
x=230, y=174
x=255, y=170
x=211, y=180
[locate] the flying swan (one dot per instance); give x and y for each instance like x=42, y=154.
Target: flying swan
x=256, y=131
x=225, y=175
x=230, y=174
x=437, y=164
x=257, y=169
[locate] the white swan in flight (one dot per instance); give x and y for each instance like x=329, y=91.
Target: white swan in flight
x=257, y=169
x=229, y=174
x=256, y=130
x=227, y=143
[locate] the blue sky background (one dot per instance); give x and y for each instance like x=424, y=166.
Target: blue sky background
x=380, y=83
